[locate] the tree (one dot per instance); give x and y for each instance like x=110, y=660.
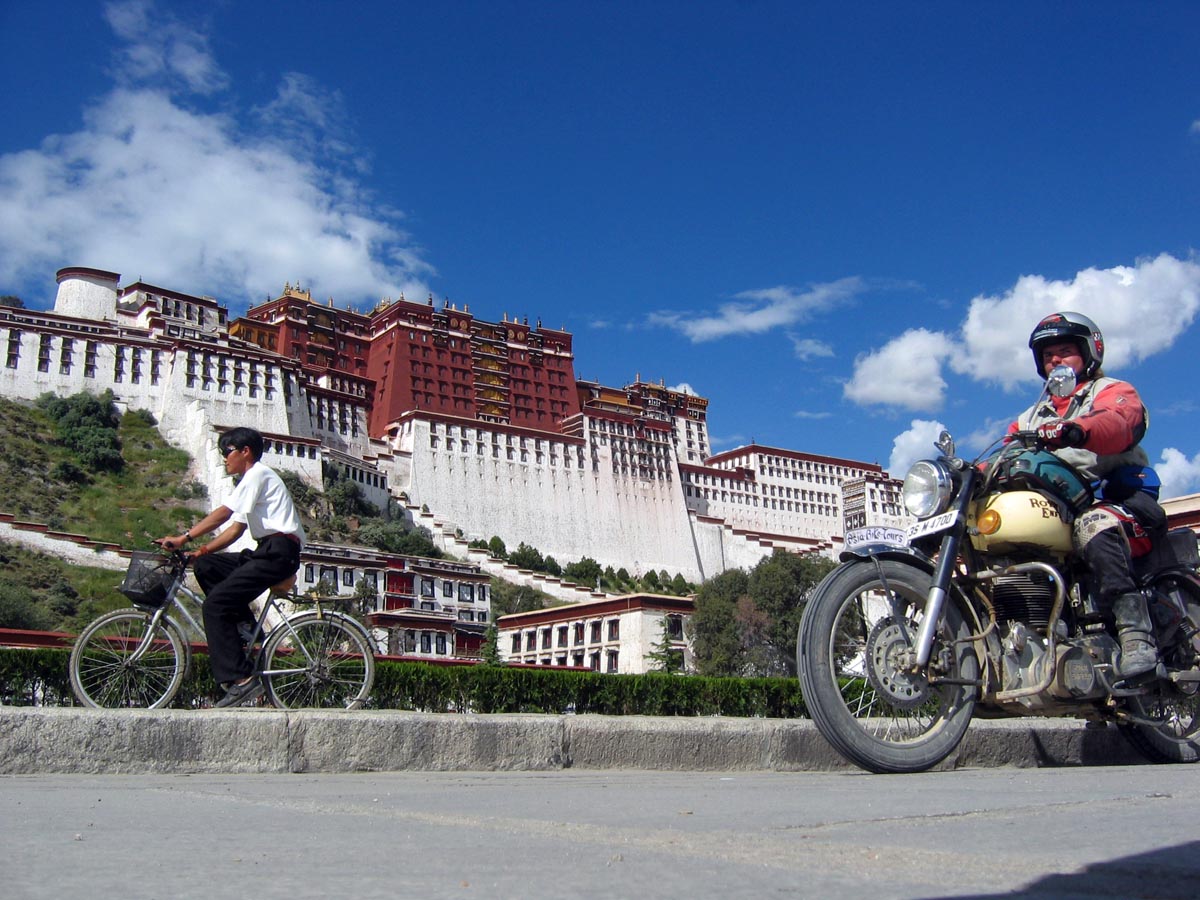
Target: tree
x=87, y=425
x=365, y=596
x=552, y=567
x=666, y=657
x=346, y=498
x=717, y=644
x=780, y=586
x=10, y=300
x=586, y=571
x=512, y=598
x=526, y=557
x=490, y=651
x=679, y=586
x=19, y=607
x=397, y=537
x=746, y=623
x=496, y=548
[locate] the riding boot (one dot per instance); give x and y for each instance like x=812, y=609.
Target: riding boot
x=1139, y=653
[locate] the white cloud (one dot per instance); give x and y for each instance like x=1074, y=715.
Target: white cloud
x=161, y=48
x=684, y=388
x=916, y=443
x=905, y=372
x=1179, y=474
x=152, y=188
x=805, y=414
x=1141, y=310
x=758, y=311
x=808, y=348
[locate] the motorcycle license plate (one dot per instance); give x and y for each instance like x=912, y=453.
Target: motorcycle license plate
x=934, y=525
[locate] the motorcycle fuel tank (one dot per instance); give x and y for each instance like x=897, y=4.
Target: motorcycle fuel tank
x=1008, y=521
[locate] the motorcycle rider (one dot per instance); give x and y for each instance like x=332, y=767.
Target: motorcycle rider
x=1097, y=429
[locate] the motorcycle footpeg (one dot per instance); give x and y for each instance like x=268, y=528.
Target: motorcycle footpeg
x=1135, y=683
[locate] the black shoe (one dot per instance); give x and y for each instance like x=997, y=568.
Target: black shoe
x=239, y=694
x=1137, y=657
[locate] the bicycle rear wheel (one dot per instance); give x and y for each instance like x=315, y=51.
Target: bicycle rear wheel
x=318, y=660
x=105, y=674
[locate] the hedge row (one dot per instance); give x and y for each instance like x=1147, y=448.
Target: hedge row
x=39, y=678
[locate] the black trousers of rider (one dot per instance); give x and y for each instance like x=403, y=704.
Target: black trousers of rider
x=1107, y=553
x=230, y=581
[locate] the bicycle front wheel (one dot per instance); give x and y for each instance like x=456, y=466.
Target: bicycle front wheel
x=109, y=672
x=318, y=660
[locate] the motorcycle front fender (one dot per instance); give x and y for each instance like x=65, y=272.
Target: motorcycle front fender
x=898, y=552
x=918, y=560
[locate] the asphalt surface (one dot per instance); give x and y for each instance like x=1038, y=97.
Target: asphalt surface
x=1118, y=832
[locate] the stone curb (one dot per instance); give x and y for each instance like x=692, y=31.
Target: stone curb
x=264, y=741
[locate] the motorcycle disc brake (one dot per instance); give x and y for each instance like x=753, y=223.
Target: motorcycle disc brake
x=887, y=647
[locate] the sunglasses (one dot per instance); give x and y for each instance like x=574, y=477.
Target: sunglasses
x=226, y=451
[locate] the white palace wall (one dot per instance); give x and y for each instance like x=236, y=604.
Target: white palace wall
x=564, y=510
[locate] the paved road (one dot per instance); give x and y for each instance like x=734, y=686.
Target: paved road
x=1081, y=832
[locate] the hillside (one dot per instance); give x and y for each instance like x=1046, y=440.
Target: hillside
x=78, y=466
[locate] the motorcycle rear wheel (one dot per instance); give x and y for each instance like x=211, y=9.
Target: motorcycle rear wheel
x=1177, y=739
x=1175, y=708
x=873, y=712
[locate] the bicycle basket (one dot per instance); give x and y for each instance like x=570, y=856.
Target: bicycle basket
x=149, y=578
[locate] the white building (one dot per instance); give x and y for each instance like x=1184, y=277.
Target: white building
x=627, y=480
x=616, y=635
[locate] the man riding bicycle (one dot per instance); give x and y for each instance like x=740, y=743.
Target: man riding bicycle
x=260, y=503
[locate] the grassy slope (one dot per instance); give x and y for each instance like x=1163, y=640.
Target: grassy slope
x=150, y=498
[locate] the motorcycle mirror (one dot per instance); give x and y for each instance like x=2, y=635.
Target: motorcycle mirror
x=945, y=444
x=1061, y=381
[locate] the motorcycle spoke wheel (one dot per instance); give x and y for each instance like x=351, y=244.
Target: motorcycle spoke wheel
x=318, y=662
x=853, y=654
x=1177, y=738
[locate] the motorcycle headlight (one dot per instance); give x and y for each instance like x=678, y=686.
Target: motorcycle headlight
x=927, y=489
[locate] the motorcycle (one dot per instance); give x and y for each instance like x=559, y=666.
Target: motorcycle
x=984, y=609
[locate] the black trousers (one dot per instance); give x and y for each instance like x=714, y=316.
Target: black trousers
x=230, y=581
x=1107, y=553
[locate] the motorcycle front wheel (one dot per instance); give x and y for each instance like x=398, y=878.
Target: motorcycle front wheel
x=855, y=635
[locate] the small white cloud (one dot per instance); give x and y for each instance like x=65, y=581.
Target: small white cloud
x=805, y=414
x=759, y=311
x=905, y=372
x=684, y=388
x=1180, y=475
x=916, y=443
x=808, y=348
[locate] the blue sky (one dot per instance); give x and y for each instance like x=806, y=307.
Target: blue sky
x=838, y=221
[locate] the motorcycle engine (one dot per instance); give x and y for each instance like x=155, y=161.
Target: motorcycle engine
x=1026, y=597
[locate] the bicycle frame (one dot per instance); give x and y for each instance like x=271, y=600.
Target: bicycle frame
x=260, y=632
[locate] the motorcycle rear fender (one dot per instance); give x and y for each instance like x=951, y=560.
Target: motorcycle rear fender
x=919, y=560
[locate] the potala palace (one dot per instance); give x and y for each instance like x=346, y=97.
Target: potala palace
x=484, y=424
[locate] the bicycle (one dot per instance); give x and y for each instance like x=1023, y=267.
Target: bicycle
x=138, y=658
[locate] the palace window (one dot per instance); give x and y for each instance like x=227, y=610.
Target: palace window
x=14, y=348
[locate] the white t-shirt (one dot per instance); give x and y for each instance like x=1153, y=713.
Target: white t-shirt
x=262, y=503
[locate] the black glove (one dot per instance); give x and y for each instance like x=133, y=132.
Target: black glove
x=1061, y=434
